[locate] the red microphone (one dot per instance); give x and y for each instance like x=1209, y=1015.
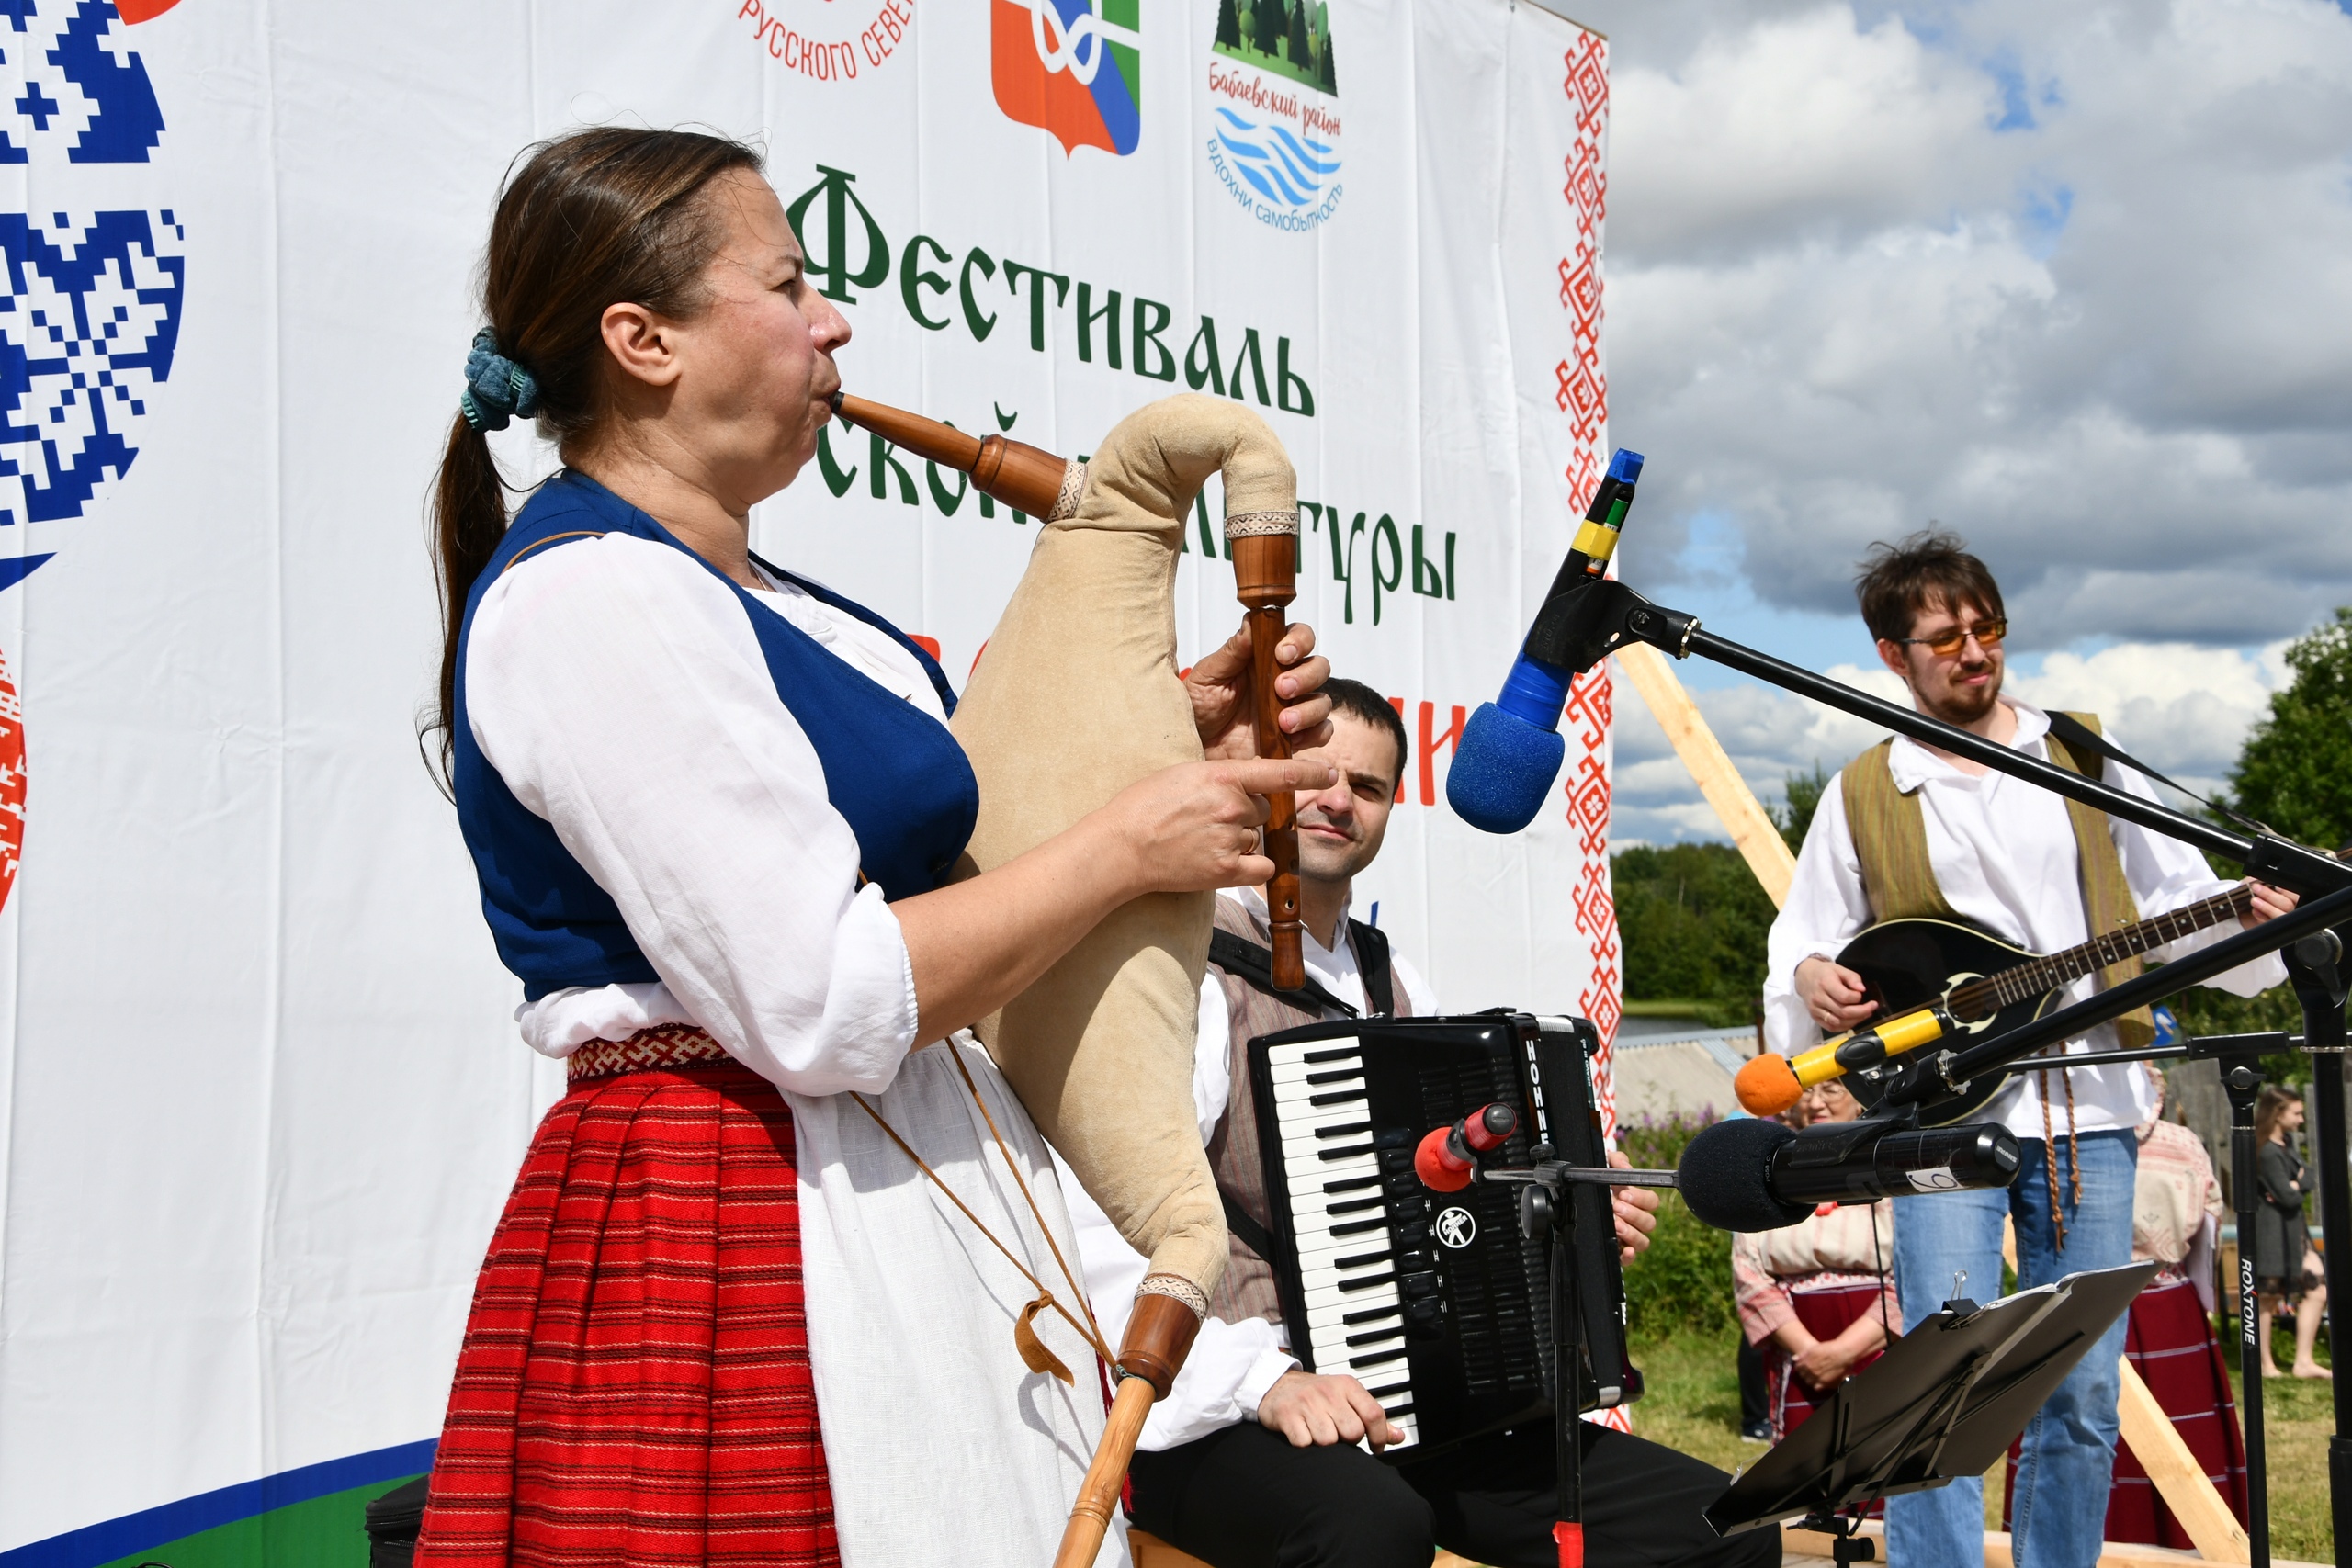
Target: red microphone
x=1448, y=1157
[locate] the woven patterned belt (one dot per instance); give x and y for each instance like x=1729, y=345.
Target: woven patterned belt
x=667, y=1045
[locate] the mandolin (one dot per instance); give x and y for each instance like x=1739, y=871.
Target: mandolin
x=1990, y=988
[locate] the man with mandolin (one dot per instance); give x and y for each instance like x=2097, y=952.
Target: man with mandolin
x=1927, y=879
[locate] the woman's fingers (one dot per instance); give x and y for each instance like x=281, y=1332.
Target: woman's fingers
x=1263, y=776
x=1303, y=680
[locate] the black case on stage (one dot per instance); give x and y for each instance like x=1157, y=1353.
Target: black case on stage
x=1478, y=1346
x=393, y=1521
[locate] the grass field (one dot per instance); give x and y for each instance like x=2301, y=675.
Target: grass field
x=1693, y=1404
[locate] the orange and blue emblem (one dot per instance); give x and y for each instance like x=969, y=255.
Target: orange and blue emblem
x=1072, y=68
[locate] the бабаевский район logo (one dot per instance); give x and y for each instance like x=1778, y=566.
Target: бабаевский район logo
x=1273, y=94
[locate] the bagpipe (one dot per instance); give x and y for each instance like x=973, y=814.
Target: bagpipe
x=1100, y=1049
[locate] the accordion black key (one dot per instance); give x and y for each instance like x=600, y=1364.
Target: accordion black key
x=1437, y=1303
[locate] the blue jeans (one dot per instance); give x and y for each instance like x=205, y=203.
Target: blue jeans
x=2059, y=1510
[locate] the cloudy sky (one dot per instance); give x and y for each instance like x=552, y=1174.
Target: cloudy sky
x=2074, y=280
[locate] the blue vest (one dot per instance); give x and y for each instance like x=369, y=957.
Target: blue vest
x=891, y=770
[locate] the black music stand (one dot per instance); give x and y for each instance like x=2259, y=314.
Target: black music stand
x=1944, y=1402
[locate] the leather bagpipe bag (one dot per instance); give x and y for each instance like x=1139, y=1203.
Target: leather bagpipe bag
x=1075, y=698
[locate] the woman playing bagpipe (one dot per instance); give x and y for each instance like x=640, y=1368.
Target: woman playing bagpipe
x=779, y=1280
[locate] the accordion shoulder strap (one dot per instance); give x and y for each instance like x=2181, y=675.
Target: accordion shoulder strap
x=1246, y=961
x=1247, y=1231
x=1372, y=959
x=1249, y=962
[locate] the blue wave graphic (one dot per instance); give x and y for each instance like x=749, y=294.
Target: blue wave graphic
x=1283, y=167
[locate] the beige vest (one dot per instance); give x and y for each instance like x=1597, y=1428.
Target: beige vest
x=1891, y=842
x=1246, y=1289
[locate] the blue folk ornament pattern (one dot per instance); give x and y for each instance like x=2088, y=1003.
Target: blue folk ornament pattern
x=89, y=298
x=82, y=85
x=496, y=387
x=89, y=323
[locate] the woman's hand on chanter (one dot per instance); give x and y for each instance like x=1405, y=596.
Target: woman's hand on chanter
x=1194, y=827
x=1222, y=691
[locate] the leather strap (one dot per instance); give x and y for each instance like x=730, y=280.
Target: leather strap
x=1372, y=959
x=1245, y=960
x=2080, y=736
x=1249, y=1231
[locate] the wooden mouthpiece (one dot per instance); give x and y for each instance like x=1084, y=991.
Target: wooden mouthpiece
x=1265, y=572
x=1158, y=1336
x=1021, y=476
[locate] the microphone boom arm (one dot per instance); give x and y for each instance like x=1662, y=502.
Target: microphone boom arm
x=1584, y=621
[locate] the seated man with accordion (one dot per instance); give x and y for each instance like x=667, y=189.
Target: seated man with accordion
x=1252, y=1459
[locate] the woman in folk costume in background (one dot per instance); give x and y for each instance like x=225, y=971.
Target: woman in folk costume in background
x=2286, y=1267
x=1816, y=1297
x=715, y=810
x=2176, y=1210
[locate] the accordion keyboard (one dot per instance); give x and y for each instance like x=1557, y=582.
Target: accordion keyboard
x=1356, y=1260
x=1436, y=1304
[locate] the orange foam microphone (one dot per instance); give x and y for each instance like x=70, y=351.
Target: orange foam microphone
x=1447, y=1159
x=1770, y=1083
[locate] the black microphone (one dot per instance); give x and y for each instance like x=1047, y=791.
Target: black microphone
x=1755, y=1175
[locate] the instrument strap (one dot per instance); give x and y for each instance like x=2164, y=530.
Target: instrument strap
x=1251, y=1234
x=1088, y=1330
x=1372, y=957
x=1102, y=1347
x=2080, y=736
x=1247, y=962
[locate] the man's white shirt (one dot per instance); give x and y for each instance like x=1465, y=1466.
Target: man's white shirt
x=2003, y=853
x=1232, y=1364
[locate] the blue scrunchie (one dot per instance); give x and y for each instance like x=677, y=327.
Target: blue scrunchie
x=496, y=387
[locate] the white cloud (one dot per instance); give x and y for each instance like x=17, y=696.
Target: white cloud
x=2075, y=280
x=1797, y=125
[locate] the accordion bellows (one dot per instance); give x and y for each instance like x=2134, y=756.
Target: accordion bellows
x=1076, y=698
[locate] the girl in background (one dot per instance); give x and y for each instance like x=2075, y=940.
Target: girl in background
x=2286, y=1269
x=1816, y=1298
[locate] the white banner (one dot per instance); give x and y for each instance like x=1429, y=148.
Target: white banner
x=262, y=1095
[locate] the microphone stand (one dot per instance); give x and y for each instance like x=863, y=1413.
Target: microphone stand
x=1544, y=1213
x=1584, y=621
x=2315, y=969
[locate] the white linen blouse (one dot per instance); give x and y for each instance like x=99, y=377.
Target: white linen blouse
x=592, y=670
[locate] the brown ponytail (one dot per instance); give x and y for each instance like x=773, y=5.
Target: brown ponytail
x=591, y=220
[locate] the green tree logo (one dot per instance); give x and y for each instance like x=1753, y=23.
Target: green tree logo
x=1283, y=38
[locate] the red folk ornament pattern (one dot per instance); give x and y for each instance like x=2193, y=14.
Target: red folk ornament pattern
x=12, y=782
x=1583, y=397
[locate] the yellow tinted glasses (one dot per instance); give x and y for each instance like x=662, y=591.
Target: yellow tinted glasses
x=1989, y=634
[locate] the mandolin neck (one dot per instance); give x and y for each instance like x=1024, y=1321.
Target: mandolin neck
x=1984, y=998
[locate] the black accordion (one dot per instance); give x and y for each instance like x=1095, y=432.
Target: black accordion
x=1437, y=1303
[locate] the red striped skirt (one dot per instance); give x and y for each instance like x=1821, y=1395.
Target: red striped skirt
x=2171, y=1343
x=634, y=1390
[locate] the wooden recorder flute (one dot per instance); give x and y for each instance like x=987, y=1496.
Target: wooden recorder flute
x=1265, y=570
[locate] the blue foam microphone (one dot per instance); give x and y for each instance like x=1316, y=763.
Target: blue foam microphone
x=1511, y=749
